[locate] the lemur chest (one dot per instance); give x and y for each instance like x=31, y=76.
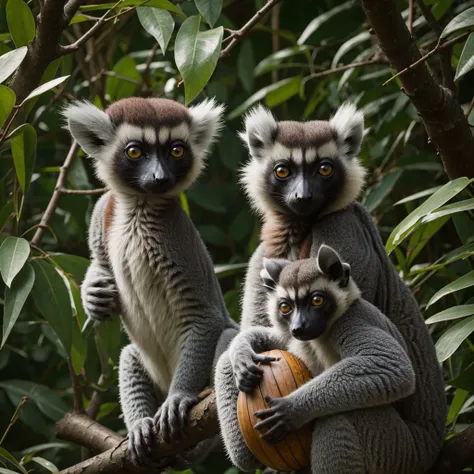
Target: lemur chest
x=319, y=354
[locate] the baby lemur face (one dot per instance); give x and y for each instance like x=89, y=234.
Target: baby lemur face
x=306, y=297
x=303, y=168
x=146, y=146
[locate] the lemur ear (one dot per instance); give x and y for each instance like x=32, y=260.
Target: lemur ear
x=90, y=126
x=260, y=131
x=332, y=266
x=348, y=126
x=206, y=122
x=270, y=273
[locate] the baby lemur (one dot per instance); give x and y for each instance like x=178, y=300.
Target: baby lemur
x=148, y=258
x=304, y=178
x=358, y=360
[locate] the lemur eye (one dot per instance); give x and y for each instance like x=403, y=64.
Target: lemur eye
x=134, y=152
x=325, y=169
x=317, y=300
x=285, y=308
x=177, y=151
x=282, y=172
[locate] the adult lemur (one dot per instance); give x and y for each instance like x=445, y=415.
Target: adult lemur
x=359, y=362
x=304, y=178
x=145, y=250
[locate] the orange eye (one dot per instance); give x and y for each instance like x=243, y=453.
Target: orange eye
x=134, y=152
x=282, y=172
x=317, y=300
x=177, y=151
x=325, y=170
x=285, y=308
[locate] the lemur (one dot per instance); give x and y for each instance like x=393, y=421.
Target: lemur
x=303, y=178
x=359, y=362
x=149, y=260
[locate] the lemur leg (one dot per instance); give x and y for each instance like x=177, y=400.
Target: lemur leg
x=226, y=398
x=370, y=441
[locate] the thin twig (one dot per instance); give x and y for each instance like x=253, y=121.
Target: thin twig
x=71, y=8
x=54, y=202
x=410, y=16
x=146, y=84
x=238, y=35
x=428, y=55
x=82, y=192
x=76, y=389
x=469, y=110
x=6, y=127
x=327, y=72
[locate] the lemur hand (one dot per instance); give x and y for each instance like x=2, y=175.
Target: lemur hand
x=141, y=439
x=247, y=373
x=99, y=293
x=172, y=417
x=279, y=419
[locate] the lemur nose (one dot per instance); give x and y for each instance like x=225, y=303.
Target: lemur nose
x=296, y=331
x=304, y=197
x=162, y=179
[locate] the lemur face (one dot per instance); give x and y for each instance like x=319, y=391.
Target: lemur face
x=146, y=146
x=303, y=168
x=307, y=296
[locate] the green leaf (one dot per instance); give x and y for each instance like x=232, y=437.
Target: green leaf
x=159, y=23
x=378, y=193
x=444, y=194
x=455, y=312
x=461, y=283
x=163, y=4
x=109, y=338
x=453, y=338
x=321, y=19
x=466, y=61
x=7, y=471
x=46, y=464
x=79, y=344
x=48, y=401
x=52, y=298
x=246, y=65
x=464, y=227
x=201, y=196
x=458, y=401
x=126, y=81
x=7, y=101
x=450, y=209
x=15, y=298
x=6, y=455
x=21, y=23
x=13, y=255
x=348, y=45
x=106, y=409
x=196, y=54
x=72, y=264
x=6, y=213
x=463, y=20
x=211, y=234
x=24, y=154
x=10, y=61
x=231, y=269
x=284, y=92
x=45, y=88
x=413, y=197
x=210, y=10
x=274, y=60
x=465, y=380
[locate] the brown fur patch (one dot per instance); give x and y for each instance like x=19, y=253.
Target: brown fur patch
x=108, y=218
x=304, y=134
x=305, y=248
x=299, y=273
x=148, y=112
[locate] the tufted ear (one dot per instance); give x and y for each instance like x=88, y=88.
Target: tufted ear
x=90, y=126
x=270, y=273
x=206, y=122
x=332, y=266
x=260, y=131
x=348, y=127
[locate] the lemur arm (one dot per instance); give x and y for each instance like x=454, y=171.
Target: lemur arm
x=374, y=370
x=98, y=290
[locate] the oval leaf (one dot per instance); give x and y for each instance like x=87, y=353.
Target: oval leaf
x=52, y=298
x=348, y=45
x=7, y=101
x=13, y=255
x=6, y=213
x=10, y=61
x=45, y=463
x=15, y=298
x=453, y=338
x=210, y=10
x=127, y=80
x=21, y=23
x=463, y=20
x=466, y=61
x=450, y=209
x=163, y=4
x=159, y=23
x=460, y=284
x=45, y=88
x=24, y=154
x=196, y=54
x=455, y=312
x=246, y=65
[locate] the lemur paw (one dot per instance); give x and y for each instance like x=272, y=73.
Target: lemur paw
x=172, y=417
x=278, y=420
x=247, y=373
x=141, y=439
x=100, y=297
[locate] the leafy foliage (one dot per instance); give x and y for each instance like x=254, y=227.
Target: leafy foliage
x=299, y=62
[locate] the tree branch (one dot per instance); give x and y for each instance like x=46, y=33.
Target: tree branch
x=203, y=424
x=437, y=106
